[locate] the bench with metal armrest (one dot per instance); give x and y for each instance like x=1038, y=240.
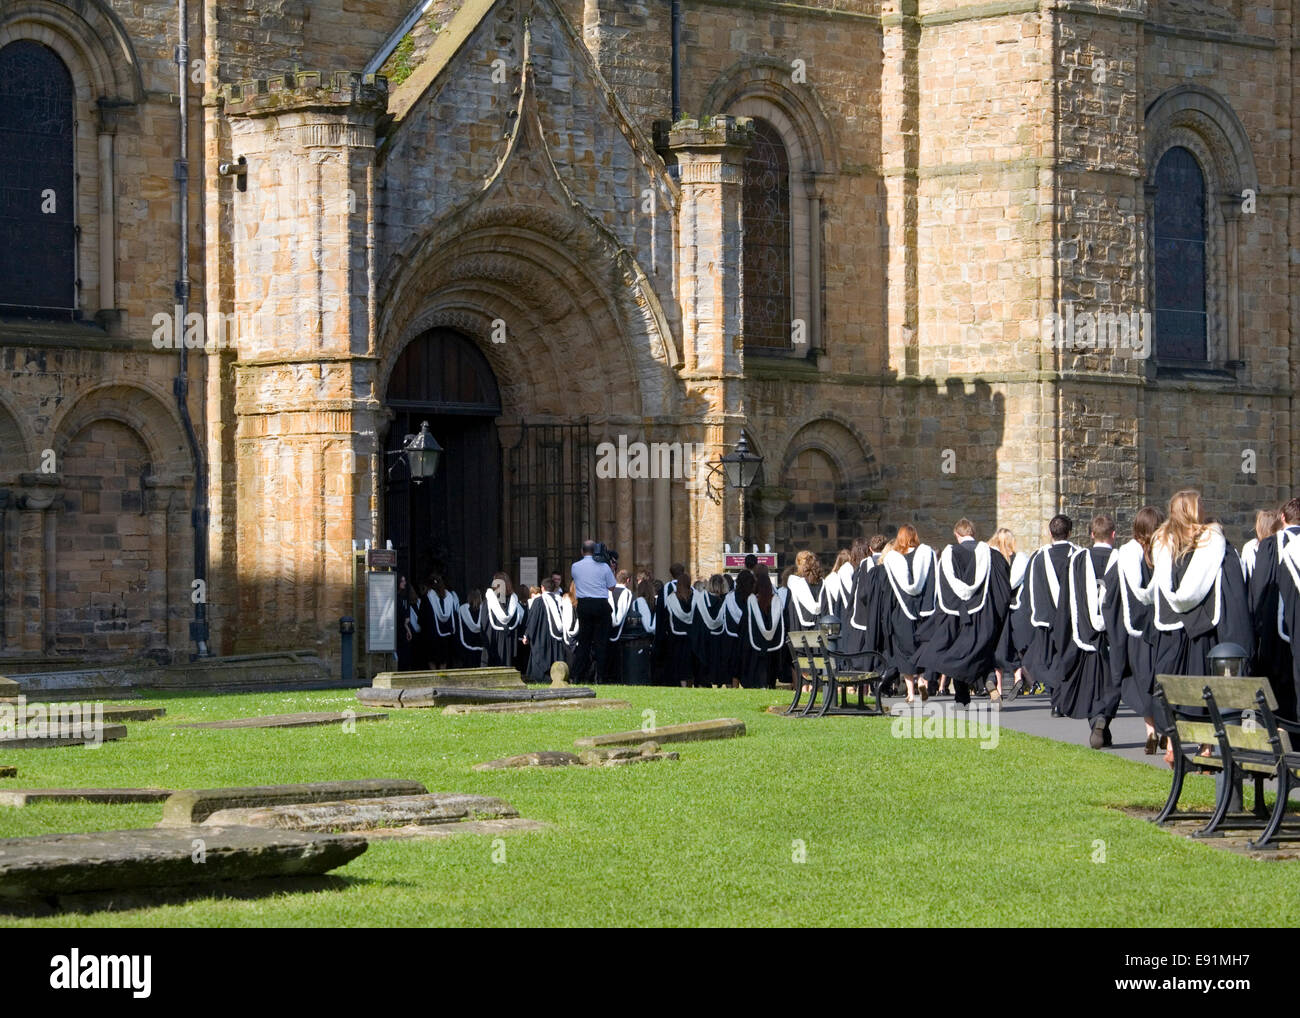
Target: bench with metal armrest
x=822, y=670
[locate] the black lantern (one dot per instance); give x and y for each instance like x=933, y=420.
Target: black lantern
x=741, y=466
x=422, y=454
x=1228, y=659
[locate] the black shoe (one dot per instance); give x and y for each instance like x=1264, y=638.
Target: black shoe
x=1056, y=713
x=1107, y=741
x=1097, y=738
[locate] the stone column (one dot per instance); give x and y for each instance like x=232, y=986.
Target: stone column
x=305, y=407
x=32, y=559
x=107, y=115
x=813, y=189
x=710, y=155
x=4, y=569
x=1231, y=206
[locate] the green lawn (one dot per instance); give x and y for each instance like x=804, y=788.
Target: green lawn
x=896, y=831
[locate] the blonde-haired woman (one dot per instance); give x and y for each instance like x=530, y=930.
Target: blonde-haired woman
x=1016, y=630
x=909, y=577
x=1267, y=523
x=1199, y=596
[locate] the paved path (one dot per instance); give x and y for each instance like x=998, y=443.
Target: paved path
x=1033, y=715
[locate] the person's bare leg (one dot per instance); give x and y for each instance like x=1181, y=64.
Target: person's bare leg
x=911, y=688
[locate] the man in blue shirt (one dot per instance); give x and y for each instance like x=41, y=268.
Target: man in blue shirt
x=592, y=582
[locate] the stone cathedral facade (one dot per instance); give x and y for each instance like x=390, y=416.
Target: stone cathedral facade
x=934, y=257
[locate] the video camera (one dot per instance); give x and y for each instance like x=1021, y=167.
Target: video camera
x=604, y=553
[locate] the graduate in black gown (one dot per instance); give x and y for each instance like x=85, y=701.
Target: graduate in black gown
x=763, y=635
x=1040, y=602
x=1267, y=523
x=471, y=630
x=1288, y=585
x=907, y=583
x=836, y=588
x=1129, y=633
x=439, y=623
x=1200, y=596
x=852, y=638
x=1006, y=656
x=1080, y=634
x=804, y=603
x=549, y=629
x=660, y=651
x=1272, y=650
x=620, y=607
x=406, y=634
x=676, y=624
x=505, y=618
x=733, y=620
x=972, y=592
x=708, y=634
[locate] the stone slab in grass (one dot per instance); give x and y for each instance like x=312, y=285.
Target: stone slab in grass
x=8, y=772
x=111, y=712
x=306, y=719
x=58, y=864
x=442, y=696
x=193, y=806
x=535, y=706
x=114, y=796
x=107, y=733
x=366, y=814
x=695, y=731
x=544, y=758
x=452, y=678
x=9, y=689
x=507, y=825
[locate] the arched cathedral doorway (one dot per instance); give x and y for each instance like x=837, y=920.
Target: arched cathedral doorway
x=452, y=524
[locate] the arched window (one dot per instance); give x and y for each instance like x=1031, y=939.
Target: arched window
x=37, y=228
x=766, y=212
x=1180, y=259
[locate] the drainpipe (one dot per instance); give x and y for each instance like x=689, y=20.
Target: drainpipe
x=677, y=60
x=181, y=383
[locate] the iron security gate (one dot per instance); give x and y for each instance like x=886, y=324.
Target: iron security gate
x=550, y=496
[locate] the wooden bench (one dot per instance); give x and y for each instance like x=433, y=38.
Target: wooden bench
x=816, y=665
x=1206, y=710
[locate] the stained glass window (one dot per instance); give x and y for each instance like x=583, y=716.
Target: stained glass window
x=1180, y=313
x=37, y=230
x=766, y=210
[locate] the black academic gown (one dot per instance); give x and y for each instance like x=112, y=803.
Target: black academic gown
x=962, y=639
x=1185, y=648
x=503, y=633
x=865, y=632
x=733, y=622
x=708, y=641
x=1038, y=658
x=908, y=614
x=1016, y=630
x=679, y=657
x=471, y=636
x=1272, y=653
x=1288, y=573
x=760, y=652
x=547, y=640
x=1129, y=637
x=440, y=634
x=1083, y=655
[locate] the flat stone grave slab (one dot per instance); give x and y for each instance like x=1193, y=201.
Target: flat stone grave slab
x=441, y=696
x=110, y=711
x=58, y=864
x=618, y=756
x=544, y=758
x=107, y=733
x=695, y=731
x=112, y=796
x=507, y=825
x=8, y=772
x=473, y=678
x=535, y=706
x=365, y=814
x=308, y=719
x=193, y=806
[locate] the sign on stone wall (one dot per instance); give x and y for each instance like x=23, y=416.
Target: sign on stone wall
x=381, y=612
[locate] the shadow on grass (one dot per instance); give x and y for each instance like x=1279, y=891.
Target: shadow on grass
x=88, y=902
